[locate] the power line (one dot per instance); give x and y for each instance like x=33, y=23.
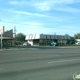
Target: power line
x=14, y=22
x=29, y=24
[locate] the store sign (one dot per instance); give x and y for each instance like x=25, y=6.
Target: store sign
x=1, y=30
x=76, y=76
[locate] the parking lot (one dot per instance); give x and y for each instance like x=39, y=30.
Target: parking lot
x=39, y=63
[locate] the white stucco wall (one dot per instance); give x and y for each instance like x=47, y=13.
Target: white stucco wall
x=78, y=40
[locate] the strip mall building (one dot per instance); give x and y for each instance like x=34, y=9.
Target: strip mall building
x=44, y=39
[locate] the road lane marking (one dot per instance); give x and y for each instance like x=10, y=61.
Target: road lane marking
x=68, y=47
x=63, y=61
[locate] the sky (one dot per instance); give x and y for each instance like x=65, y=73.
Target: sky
x=41, y=16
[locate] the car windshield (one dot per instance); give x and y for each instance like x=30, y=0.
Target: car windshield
x=39, y=39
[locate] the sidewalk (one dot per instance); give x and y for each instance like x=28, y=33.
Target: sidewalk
x=1, y=49
x=12, y=49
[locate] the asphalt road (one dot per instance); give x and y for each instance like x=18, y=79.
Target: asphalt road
x=42, y=63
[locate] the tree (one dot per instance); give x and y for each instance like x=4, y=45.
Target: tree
x=77, y=36
x=20, y=37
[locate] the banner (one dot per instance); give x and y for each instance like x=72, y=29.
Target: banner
x=1, y=30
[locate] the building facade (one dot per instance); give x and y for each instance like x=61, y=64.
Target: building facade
x=44, y=39
x=7, y=38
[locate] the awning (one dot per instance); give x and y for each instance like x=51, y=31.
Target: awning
x=7, y=38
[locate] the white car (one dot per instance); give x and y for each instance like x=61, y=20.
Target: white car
x=77, y=43
x=26, y=44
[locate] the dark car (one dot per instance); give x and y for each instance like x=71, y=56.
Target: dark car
x=52, y=43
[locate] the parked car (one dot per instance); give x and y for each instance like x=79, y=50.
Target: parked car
x=52, y=43
x=17, y=43
x=77, y=43
x=26, y=44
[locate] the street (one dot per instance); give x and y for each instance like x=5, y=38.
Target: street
x=40, y=63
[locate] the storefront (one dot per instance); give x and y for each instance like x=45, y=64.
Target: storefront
x=44, y=39
x=6, y=41
x=7, y=38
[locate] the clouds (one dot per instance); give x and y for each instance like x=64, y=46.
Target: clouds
x=41, y=16
x=58, y=5
x=28, y=13
x=14, y=2
x=44, y=2
x=19, y=2
x=43, y=6
x=48, y=5
x=66, y=9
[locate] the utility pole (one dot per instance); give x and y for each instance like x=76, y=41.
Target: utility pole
x=14, y=34
x=54, y=33
x=14, y=31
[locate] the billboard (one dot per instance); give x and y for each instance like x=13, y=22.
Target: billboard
x=1, y=30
